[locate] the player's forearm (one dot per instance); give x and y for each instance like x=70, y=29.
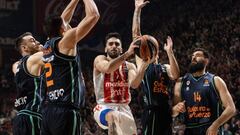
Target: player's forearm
x=225, y=116
x=139, y=76
x=91, y=9
x=115, y=63
x=174, y=68
x=136, y=31
x=68, y=11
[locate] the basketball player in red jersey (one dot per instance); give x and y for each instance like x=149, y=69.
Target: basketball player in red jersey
x=113, y=76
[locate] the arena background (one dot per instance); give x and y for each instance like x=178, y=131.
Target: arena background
x=212, y=24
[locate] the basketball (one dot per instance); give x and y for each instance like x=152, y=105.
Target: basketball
x=147, y=47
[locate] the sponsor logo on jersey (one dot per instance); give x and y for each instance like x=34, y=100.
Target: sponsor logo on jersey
x=20, y=101
x=188, y=82
x=48, y=59
x=159, y=87
x=54, y=95
x=116, y=84
x=206, y=82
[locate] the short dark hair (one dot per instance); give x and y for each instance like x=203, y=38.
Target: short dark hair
x=113, y=34
x=205, y=52
x=52, y=26
x=19, y=40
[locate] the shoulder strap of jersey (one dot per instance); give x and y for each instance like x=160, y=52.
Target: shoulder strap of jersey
x=51, y=42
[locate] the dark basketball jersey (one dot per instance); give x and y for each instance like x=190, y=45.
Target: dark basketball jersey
x=28, y=89
x=202, y=100
x=157, y=112
x=155, y=86
x=62, y=77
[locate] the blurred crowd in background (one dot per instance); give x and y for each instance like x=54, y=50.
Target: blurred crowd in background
x=213, y=25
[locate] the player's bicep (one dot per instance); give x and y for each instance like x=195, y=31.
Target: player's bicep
x=101, y=64
x=170, y=75
x=35, y=63
x=223, y=92
x=14, y=67
x=131, y=72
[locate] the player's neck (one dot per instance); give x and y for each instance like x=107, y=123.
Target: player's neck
x=199, y=73
x=25, y=54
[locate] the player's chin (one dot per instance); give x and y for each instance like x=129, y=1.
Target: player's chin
x=113, y=55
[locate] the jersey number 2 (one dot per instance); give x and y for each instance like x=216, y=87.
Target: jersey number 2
x=48, y=74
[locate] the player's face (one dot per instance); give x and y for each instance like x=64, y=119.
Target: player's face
x=113, y=47
x=198, y=62
x=31, y=45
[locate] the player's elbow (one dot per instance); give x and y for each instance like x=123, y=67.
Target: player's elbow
x=134, y=85
x=94, y=16
x=175, y=76
x=232, y=110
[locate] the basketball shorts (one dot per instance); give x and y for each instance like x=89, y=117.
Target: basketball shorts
x=125, y=123
x=27, y=123
x=156, y=122
x=60, y=120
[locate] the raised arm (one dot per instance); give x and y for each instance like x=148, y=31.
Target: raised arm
x=136, y=31
x=68, y=13
x=102, y=64
x=173, y=69
x=74, y=35
x=227, y=103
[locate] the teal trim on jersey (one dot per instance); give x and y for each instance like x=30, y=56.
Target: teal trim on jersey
x=198, y=78
x=72, y=82
x=153, y=124
x=145, y=132
x=74, y=122
x=35, y=93
x=30, y=113
x=149, y=94
x=33, y=129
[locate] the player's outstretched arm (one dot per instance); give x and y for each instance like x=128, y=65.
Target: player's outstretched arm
x=68, y=13
x=74, y=35
x=136, y=31
x=173, y=69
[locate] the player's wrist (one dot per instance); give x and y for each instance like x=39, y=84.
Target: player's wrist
x=126, y=55
x=170, y=51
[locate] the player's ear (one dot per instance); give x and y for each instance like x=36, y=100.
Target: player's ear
x=23, y=48
x=105, y=50
x=206, y=61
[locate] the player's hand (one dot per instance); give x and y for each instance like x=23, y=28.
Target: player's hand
x=178, y=108
x=168, y=46
x=212, y=130
x=141, y=3
x=131, y=48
